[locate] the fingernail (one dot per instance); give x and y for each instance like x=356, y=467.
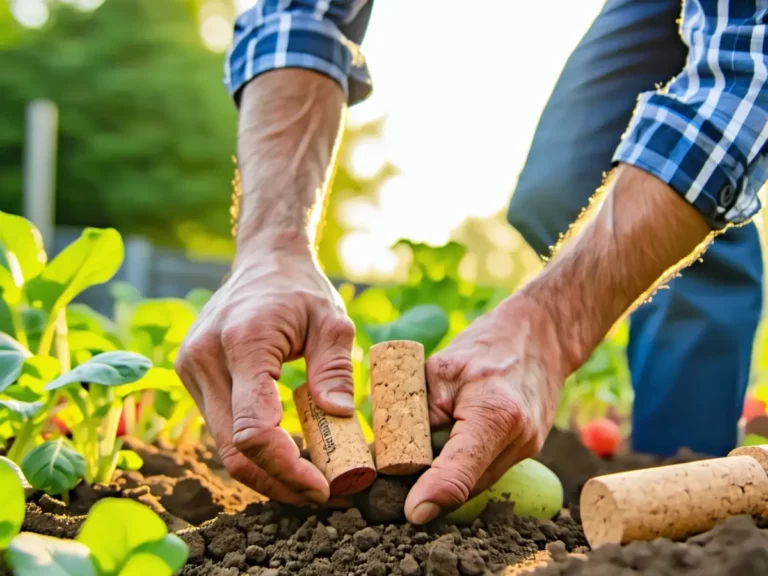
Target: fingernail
x=343, y=400
x=316, y=496
x=425, y=512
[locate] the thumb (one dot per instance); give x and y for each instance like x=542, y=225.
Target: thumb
x=328, y=353
x=479, y=435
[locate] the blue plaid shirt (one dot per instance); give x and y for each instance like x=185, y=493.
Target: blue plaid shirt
x=704, y=133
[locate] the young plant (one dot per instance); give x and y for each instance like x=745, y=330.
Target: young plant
x=95, y=391
x=119, y=537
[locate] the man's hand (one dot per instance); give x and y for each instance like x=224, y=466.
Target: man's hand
x=499, y=380
x=276, y=305
x=274, y=308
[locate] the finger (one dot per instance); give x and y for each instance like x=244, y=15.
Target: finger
x=511, y=455
x=479, y=436
x=256, y=433
x=443, y=373
x=328, y=352
x=201, y=368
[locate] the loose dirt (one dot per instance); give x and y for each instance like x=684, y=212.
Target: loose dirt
x=232, y=531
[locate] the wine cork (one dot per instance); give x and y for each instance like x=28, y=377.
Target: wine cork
x=336, y=446
x=673, y=501
x=759, y=453
x=400, y=412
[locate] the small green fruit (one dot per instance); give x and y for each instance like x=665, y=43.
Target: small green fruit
x=534, y=488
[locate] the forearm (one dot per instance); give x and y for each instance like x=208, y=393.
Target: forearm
x=641, y=235
x=289, y=129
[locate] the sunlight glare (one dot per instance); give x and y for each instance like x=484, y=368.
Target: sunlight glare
x=30, y=13
x=366, y=257
x=216, y=32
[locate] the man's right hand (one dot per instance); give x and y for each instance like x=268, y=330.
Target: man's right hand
x=275, y=307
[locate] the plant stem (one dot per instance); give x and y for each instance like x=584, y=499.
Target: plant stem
x=22, y=442
x=46, y=341
x=62, y=343
x=18, y=327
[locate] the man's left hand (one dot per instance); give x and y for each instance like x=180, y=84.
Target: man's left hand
x=499, y=381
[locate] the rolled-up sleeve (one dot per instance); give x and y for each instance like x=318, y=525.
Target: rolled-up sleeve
x=319, y=35
x=705, y=132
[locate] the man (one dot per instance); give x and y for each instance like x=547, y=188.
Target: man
x=690, y=348
x=689, y=165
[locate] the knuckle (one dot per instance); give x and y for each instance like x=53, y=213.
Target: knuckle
x=199, y=349
x=442, y=367
x=501, y=414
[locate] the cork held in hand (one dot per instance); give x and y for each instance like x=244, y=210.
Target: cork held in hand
x=336, y=446
x=400, y=410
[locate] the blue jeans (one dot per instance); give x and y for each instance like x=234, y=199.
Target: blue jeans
x=690, y=347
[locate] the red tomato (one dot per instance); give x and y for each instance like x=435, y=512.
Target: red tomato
x=602, y=436
x=59, y=423
x=753, y=408
x=121, y=425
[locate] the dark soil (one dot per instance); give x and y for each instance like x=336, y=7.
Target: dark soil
x=231, y=531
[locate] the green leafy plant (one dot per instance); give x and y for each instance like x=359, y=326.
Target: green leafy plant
x=54, y=467
x=119, y=537
x=64, y=370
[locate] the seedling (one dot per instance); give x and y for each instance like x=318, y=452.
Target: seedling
x=119, y=537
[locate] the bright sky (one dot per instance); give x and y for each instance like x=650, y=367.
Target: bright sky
x=461, y=91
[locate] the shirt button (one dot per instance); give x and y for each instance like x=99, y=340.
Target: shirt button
x=727, y=195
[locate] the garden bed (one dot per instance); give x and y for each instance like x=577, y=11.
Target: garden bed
x=231, y=531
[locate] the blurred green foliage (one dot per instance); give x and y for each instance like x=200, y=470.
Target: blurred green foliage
x=147, y=129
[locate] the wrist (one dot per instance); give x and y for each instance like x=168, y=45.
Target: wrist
x=521, y=311
x=288, y=242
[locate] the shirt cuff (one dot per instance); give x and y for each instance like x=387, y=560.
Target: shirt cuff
x=672, y=141
x=295, y=40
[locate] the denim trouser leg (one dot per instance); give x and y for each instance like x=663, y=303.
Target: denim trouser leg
x=690, y=347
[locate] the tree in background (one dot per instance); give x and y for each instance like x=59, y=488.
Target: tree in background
x=147, y=130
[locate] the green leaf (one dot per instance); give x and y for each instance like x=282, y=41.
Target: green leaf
x=22, y=255
x=90, y=260
x=198, y=297
x=293, y=374
x=164, y=379
x=35, y=374
x=165, y=320
x=427, y=324
x=86, y=340
x=124, y=292
x=115, y=527
x=15, y=467
x=129, y=460
x=83, y=317
x=107, y=369
x=22, y=410
x=12, y=509
x=37, y=555
x=172, y=551
x=53, y=467
x=12, y=356
x=372, y=306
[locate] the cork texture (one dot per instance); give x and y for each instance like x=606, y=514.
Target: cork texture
x=400, y=411
x=759, y=453
x=336, y=446
x=671, y=501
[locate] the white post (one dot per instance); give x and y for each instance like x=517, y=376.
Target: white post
x=40, y=148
